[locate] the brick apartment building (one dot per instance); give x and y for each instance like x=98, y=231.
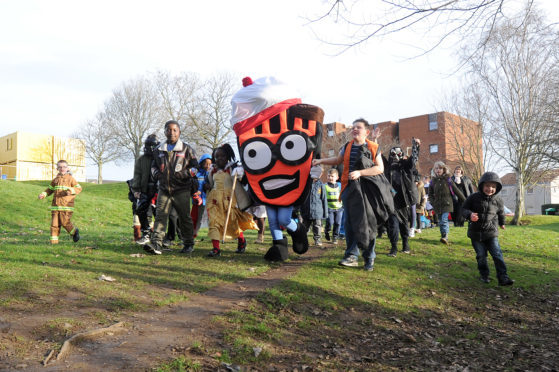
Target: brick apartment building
x=444, y=136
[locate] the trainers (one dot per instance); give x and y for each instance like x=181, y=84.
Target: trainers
x=214, y=253
x=368, y=266
x=152, y=248
x=444, y=240
x=76, y=235
x=143, y=240
x=166, y=243
x=412, y=233
x=318, y=243
x=393, y=252
x=327, y=235
x=187, y=249
x=484, y=279
x=506, y=281
x=335, y=240
x=350, y=261
x=418, y=231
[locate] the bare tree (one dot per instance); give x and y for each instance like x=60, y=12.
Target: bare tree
x=179, y=97
x=470, y=137
x=210, y=116
x=437, y=20
x=101, y=146
x=516, y=76
x=133, y=112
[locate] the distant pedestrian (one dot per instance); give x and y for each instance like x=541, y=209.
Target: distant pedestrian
x=466, y=187
x=442, y=191
x=485, y=211
x=315, y=208
x=335, y=207
x=64, y=187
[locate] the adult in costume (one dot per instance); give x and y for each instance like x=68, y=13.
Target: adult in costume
x=278, y=137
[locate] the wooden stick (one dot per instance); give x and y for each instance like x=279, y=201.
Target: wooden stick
x=229, y=209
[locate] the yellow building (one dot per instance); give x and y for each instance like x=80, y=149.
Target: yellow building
x=29, y=156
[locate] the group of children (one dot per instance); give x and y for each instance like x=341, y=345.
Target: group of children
x=484, y=209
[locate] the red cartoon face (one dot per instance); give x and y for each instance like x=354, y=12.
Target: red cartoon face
x=277, y=155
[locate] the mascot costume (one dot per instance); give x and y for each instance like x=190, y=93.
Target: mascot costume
x=278, y=137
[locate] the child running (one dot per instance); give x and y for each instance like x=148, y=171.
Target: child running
x=484, y=209
x=65, y=188
x=220, y=184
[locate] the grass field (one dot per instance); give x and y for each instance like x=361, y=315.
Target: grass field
x=425, y=311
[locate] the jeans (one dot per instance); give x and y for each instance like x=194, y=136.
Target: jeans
x=280, y=216
x=492, y=246
x=395, y=227
x=443, y=224
x=413, y=225
x=334, y=221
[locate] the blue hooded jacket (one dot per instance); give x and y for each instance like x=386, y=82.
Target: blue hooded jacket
x=201, y=175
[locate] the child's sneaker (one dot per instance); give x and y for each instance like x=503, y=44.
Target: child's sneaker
x=214, y=253
x=327, y=235
x=444, y=240
x=187, y=249
x=350, y=261
x=166, y=243
x=143, y=240
x=152, y=248
x=318, y=243
x=369, y=266
x=484, y=279
x=76, y=236
x=505, y=280
x=412, y=233
x=335, y=240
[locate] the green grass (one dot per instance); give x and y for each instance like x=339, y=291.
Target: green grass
x=435, y=288
x=34, y=274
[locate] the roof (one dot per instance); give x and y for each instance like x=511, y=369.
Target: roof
x=510, y=178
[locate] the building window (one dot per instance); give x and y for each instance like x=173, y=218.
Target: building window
x=9, y=144
x=330, y=133
x=433, y=149
x=530, y=191
x=433, y=123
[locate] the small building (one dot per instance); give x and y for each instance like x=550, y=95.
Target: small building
x=544, y=192
x=30, y=156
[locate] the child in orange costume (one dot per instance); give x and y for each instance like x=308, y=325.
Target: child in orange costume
x=220, y=184
x=65, y=188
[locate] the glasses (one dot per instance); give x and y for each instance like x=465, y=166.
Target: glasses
x=259, y=155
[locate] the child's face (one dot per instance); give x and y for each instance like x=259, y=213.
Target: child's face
x=62, y=168
x=458, y=172
x=220, y=159
x=172, y=132
x=439, y=171
x=332, y=177
x=359, y=132
x=206, y=164
x=489, y=188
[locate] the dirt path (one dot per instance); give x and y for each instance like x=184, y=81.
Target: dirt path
x=152, y=338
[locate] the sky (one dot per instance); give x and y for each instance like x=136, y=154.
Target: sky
x=60, y=60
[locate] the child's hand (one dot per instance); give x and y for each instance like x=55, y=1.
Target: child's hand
x=42, y=195
x=474, y=217
x=316, y=162
x=502, y=227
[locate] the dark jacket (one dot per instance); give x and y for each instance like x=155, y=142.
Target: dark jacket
x=143, y=181
x=172, y=168
x=467, y=185
x=401, y=176
x=368, y=202
x=490, y=210
x=440, y=196
x=316, y=205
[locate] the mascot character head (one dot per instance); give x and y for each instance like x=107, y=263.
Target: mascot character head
x=278, y=137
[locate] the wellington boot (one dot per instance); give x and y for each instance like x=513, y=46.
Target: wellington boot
x=278, y=251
